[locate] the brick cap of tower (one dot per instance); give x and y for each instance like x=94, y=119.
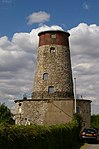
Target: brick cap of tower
x=60, y=39
x=58, y=31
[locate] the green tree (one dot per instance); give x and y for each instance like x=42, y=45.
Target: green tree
x=5, y=115
x=78, y=120
x=95, y=121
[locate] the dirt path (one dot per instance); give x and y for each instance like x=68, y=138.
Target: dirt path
x=90, y=146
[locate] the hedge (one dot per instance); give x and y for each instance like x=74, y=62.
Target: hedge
x=63, y=136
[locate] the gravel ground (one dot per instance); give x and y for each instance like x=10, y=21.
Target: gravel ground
x=90, y=146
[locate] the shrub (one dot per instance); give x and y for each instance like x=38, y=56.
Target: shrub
x=95, y=121
x=5, y=115
x=63, y=136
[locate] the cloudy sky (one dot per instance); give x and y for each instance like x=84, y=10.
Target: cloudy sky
x=20, y=23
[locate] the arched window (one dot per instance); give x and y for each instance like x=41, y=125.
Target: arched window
x=53, y=35
x=45, y=76
x=78, y=109
x=52, y=50
x=19, y=104
x=51, y=89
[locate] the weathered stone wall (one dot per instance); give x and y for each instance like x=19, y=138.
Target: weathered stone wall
x=47, y=112
x=52, y=98
x=84, y=108
x=50, y=112
x=57, y=65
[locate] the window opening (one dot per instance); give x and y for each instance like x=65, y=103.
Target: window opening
x=19, y=104
x=45, y=76
x=52, y=50
x=51, y=89
x=53, y=35
x=78, y=109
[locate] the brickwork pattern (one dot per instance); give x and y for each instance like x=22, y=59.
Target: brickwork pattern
x=61, y=38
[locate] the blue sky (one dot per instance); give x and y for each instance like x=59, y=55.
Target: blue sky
x=65, y=13
x=20, y=23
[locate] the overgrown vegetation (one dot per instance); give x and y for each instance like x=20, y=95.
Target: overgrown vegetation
x=95, y=121
x=78, y=120
x=5, y=115
x=64, y=136
x=39, y=137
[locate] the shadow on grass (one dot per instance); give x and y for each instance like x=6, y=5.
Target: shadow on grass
x=79, y=145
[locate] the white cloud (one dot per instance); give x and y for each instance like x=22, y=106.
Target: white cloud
x=85, y=5
x=38, y=17
x=85, y=60
x=7, y=1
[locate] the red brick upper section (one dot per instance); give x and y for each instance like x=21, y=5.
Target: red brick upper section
x=53, y=37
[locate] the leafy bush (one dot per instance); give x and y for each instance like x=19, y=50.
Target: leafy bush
x=95, y=121
x=78, y=120
x=63, y=136
x=5, y=115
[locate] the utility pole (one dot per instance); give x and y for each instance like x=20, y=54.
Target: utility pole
x=75, y=94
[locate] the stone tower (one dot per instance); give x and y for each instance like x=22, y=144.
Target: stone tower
x=53, y=77
x=52, y=99
x=52, y=96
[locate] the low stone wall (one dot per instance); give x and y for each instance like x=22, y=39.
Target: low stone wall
x=44, y=112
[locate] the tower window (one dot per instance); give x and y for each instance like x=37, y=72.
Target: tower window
x=52, y=50
x=19, y=104
x=78, y=109
x=51, y=89
x=53, y=35
x=45, y=76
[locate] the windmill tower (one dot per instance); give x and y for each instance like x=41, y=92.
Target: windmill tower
x=52, y=96
x=53, y=77
x=52, y=99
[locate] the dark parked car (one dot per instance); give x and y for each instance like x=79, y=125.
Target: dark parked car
x=89, y=134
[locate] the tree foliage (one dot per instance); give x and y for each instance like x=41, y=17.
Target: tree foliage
x=63, y=136
x=78, y=119
x=95, y=121
x=5, y=115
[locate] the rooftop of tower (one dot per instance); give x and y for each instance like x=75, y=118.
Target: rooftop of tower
x=53, y=31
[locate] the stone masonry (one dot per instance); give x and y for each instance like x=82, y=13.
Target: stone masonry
x=45, y=112
x=52, y=99
x=53, y=61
